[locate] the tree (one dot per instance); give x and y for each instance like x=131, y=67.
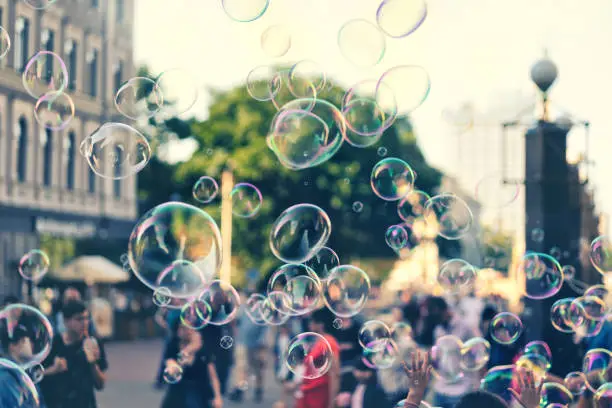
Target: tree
x=497, y=250
x=236, y=130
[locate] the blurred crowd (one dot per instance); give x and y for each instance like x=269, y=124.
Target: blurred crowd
x=201, y=368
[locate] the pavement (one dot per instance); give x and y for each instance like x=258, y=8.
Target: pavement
x=132, y=368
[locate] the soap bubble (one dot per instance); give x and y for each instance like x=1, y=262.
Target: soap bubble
x=346, y=290
x=34, y=265
x=506, y=328
x=309, y=355
x=205, y=189
x=34, y=330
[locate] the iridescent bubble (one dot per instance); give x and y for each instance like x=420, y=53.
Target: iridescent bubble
x=304, y=294
x=413, y=204
x=601, y=254
x=569, y=272
x=18, y=389
x=5, y=42
x=506, y=328
x=117, y=151
x=195, y=314
x=337, y=323
x=173, y=373
x=575, y=382
x=323, y=262
x=246, y=200
x=361, y=43
x=497, y=381
x=553, y=393
x=346, y=290
x=560, y=317
x=380, y=355
x=392, y=179
x=36, y=373
x=45, y=72
x=493, y=193
x=405, y=404
x=382, y=151
x=282, y=275
x=306, y=79
x=396, y=237
x=34, y=265
x=586, y=315
x=543, y=275
x=176, y=246
x=276, y=40
x=299, y=233
x=456, y=274
x=245, y=11
x=555, y=252
x=139, y=97
x=599, y=291
x=226, y=342
x=223, y=300
x=446, y=358
x=54, y=110
x=274, y=310
x=450, y=214
x=306, y=133
x=409, y=84
x=263, y=83
x=254, y=308
x=603, y=395
x=310, y=355
x=475, y=354
x=537, y=235
x=594, y=366
x=205, y=189
x=540, y=348
x=534, y=363
x=162, y=297
x=374, y=335
x=34, y=330
x=357, y=206
x=180, y=89
x=399, y=18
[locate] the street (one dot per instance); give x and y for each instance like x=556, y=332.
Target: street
x=132, y=368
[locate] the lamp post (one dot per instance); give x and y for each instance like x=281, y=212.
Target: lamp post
x=227, y=184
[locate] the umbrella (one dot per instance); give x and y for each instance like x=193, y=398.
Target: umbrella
x=91, y=269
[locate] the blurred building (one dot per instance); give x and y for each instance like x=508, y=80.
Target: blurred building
x=46, y=186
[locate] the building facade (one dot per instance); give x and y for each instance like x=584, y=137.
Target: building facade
x=46, y=185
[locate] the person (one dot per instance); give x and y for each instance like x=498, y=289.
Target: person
x=393, y=379
x=500, y=354
x=18, y=348
x=321, y=391
x=360, y=388
x=223, y=352
x=449, y=387
x=348, y=341
x=251, y=355
x=419, y=374
x=166, y=318
x=198, y=385
x=283, y=375
x=71, y=294
x=76, y=364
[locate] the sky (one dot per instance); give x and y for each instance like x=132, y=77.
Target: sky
x=477, y=51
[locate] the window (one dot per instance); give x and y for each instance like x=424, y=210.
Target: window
x=95, y=3
x=48, y=43
x=21, y=139
x=92, y=62
x=118, y=75
x=118, y=169
x=46, y=142
x=120, y=11
x=92, y=174
x=70, y=50
x=69, y=150
x=22, y=39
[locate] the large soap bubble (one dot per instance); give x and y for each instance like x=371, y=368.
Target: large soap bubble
x=299, y=233
x=176, y=246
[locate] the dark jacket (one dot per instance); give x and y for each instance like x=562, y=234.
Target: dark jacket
x=374, y=396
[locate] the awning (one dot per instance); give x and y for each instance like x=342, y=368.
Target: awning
x=91, y=270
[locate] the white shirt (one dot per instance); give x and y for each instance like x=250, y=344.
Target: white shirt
x=357, y=398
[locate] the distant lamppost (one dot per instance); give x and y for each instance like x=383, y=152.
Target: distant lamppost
x=227, y=185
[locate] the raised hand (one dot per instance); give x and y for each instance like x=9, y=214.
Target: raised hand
x=530, y=393
x=419, y=373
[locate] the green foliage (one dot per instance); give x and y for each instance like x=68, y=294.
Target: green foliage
x=234, y=137
x=59, y=250
x=497, y=250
